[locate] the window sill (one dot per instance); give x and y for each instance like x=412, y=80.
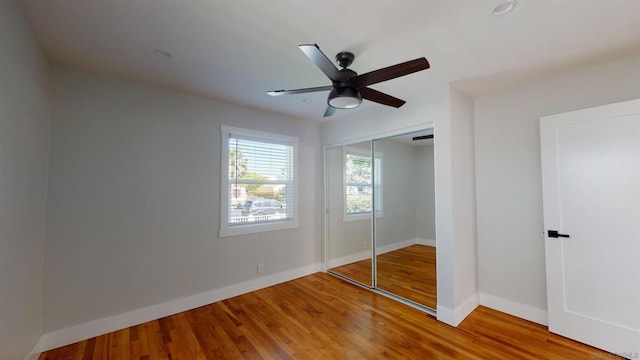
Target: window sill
x=257, y=228
x=360, y=217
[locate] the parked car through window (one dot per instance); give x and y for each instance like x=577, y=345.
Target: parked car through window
x=262, y=207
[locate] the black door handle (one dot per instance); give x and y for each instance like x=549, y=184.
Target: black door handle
x=555, y=234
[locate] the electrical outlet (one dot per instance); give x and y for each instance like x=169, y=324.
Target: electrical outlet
x=260, y=268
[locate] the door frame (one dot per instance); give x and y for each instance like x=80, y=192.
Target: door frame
x=371, y=138
x=617, y=336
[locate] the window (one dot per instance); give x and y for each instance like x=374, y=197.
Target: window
x=259, y=190
x=358, y=185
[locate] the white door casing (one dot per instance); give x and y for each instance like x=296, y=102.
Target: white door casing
x=591, y=192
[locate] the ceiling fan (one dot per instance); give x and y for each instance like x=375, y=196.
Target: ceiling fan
x=348, y=87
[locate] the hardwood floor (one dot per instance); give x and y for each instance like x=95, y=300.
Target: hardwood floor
x=359, y=271
x=322, y=317
x=409, y=272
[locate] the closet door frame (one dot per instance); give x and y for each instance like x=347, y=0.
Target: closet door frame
x=371, y=139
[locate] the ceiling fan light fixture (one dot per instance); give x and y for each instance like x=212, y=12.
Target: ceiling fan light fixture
x=344, y=97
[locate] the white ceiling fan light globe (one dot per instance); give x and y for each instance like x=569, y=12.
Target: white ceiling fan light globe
x=344, y=97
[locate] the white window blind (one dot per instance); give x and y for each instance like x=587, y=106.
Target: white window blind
x=260, y=181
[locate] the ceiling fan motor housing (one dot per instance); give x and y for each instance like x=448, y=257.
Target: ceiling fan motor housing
x=345, y=75
x=344, y=95
x=345, y=59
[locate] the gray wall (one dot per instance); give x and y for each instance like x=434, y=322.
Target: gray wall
x=508, y=176
x=24, y=128
x=344, y=237
x=399, y=194
x=425, y=210
x=134, y=199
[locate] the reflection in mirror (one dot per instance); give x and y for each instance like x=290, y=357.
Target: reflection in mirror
x=349, y=204
x=405, y=233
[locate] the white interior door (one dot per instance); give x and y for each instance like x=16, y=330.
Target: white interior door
x=591, y=187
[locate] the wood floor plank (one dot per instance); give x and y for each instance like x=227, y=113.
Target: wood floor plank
x=156, y=341
x=359, y=271
x=410, y=272
x=120, y=345
x=66, y=352
x=184, y=343
x=322, y=317
x=87, y=352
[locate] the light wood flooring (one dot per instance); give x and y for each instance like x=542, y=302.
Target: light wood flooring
x=409, y=272
x=322, y=317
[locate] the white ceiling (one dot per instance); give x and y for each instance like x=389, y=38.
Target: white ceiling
x=238, y=49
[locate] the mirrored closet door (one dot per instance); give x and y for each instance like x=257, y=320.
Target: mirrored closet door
x=405, y=231
x=349, y=223
x=381, y=215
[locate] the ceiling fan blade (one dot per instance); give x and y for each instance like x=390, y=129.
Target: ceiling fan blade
x=321, y=60
x=299, y=91
x=380, y=97
x=390, y=72
x=329, y=112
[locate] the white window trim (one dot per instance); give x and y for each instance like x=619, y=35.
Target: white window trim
x=225, y=229
x=367, y=215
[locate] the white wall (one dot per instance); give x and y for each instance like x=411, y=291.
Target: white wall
x=508, y=176
x=455, y=211
x=24, y=134
x=464, y=203
x=134, y=199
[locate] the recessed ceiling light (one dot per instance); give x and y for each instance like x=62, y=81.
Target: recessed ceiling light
x=162, y=53
x=504, y=7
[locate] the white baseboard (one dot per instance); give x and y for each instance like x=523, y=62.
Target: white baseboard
x=363, y=255
x=70, y=335
x=520, y=310
x=395, y=246
x=359, y=256
x=426, y=242
x=403, y=244
x=455, y=317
